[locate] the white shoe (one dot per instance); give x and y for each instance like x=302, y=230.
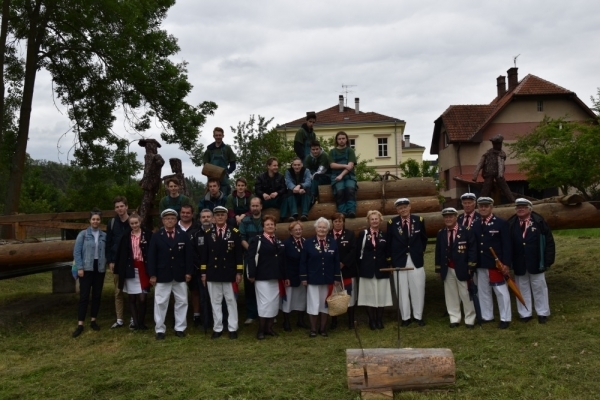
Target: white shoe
x=248, y=321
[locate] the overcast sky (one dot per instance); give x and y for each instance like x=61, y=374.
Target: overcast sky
x=408, y=59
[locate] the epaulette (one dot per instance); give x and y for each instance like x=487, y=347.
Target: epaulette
x=236, y=230
x=421, y=219
x=390, y=222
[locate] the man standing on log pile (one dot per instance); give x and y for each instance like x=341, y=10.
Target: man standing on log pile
x=492, y=167
x=271, y=189
x=492, y=231
x=317, y=163
x=250, y=228
x=298, y=182
x=117, y=227
x=533, y=254
x=221, y=155
x=455, y=262
x=468, y=201
x=305, y=136
x=406, y=241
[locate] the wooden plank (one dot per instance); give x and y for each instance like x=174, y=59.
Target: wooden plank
x=58, y=224
x=9, y=219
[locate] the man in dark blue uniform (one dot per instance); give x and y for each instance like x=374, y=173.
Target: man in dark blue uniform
x=468, y=202
x=170, y=266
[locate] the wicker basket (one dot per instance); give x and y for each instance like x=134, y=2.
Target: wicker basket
x=338, y=301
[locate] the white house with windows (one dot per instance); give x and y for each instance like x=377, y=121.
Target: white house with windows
x=373, y=136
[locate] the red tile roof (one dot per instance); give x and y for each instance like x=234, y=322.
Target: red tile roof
x=463, y=122
x=332, y=116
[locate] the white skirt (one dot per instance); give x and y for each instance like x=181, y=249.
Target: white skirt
x=316, y=299
x=295, y=299
x=267, y=298
x=375, y=292
x=133, y=285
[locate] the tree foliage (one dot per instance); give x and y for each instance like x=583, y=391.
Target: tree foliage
x=563, y=154
x=255, y=142
x=412, y=169
x=102, y=55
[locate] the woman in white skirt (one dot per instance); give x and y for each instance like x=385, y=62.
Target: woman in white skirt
x=375, y=292
x=131, y=266
x=295, y=294
x=266, y=269
x=319, y=268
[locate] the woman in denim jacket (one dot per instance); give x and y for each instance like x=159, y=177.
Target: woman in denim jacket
x=90, y=260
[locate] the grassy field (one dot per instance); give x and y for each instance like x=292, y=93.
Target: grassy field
x=559, y=360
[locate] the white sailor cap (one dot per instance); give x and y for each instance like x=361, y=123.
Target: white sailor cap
x=219, y=209
x=468, y=196
x=168, y=211
x=523, y=202
x=401, y=201
x=485, y=200
x=449, y=211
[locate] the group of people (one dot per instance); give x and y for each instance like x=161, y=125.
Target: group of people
x=229, y=240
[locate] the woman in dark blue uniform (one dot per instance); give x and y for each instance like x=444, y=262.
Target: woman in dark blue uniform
x=295, y=294
x=319, y=268
x=375, y=292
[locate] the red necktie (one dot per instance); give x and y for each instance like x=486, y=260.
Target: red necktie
x=299, y=243
x=322, y=243
x=467, y=220
x=405, y=227
x=171, y=235
x=373, y=236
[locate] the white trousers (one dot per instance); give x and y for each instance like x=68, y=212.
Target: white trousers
x=456, y=291
x=536, y=284
x=217, y=291
x=485, y=297
x=316, y=297
x=162, y=294
x=412, y=290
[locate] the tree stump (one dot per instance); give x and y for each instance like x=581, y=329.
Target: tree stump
x=400, y=369
x=410, y=187
x=150, y=183
x=177, y=173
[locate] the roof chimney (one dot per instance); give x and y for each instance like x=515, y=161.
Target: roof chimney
x=407, y=141
x=341, y=103
x=501, y=84
x=513, y=78
x=356, y=102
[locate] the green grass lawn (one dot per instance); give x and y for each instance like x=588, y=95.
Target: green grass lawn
x=559, y=360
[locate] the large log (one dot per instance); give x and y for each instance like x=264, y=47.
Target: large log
x=35, y=253
x=410, y=187
x=150, y=183
x=400, y=369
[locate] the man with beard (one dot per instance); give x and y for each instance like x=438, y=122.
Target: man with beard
x=305, y=136
x=250, y=228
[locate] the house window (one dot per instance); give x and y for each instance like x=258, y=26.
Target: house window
x=540, y=106
x=447, y=179
x=445, y=140
x=353, y=144
x=382, y=145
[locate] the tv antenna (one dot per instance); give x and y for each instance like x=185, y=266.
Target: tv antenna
x=346, y=91
x=515, y=59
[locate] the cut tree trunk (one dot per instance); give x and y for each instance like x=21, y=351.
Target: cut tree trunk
x=177, y=173
x=400, y=369
x=410, y=187
x=150, y=183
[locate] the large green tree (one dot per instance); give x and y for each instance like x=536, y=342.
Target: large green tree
x=102, y=55
x=412, y=169
x=563, y=154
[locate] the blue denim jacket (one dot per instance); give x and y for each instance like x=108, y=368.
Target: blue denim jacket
x=84, y=250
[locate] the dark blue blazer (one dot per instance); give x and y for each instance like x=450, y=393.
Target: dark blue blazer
x=124, y=261
x=528, y=251
x=496, y=235
x=170, y=259
x=476, y=216
x=347, y=248
x=399, y=246
x=320, y=266
x=221, y=259
x=373, y=258
x=293, y=254
x=463, y=253
x=271, y=259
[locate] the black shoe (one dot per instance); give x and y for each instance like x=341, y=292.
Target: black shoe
x=454, y=324
x=271, y=333
x=287, y=326
x=487, y=321
x=216, y=335
x=160, y=336
x=323, y=333
x=526, y=319
x=260, y=336
x=334, y=323
x=143, y=327
x=470, y=326
x=304, y=218
x=406, y=322
x=372, y=325
x=180, y=334
x=503, y=324
x=420, y=322
x=542, y=319
x=351, y=215
x=77, y=331
x=94, y=326
x=312, y=334
x=116, y=325
x=232, y=335
x=197, y=321
x=292, y=218
x=380, y=324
